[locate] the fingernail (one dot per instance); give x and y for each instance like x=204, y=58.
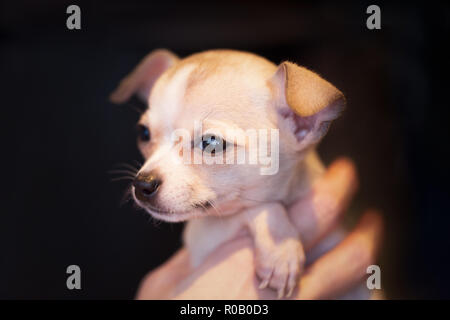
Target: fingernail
x=289, y=293
x=264, y=284
x=280, y=293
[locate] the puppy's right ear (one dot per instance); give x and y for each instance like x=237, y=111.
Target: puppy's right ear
x=305, y=102
x=144, y=76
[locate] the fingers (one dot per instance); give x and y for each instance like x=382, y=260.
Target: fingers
x=360, y=292
x=316, y=214
x=345, y=266
x=331, y=276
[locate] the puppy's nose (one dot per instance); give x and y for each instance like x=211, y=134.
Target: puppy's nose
x=146, y=186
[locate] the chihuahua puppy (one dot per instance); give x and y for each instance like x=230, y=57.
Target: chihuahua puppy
x=227, y=91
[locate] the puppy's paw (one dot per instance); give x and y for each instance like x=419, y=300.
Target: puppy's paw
x=279, y=268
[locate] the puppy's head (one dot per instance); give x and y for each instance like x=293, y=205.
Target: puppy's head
x=209, y=110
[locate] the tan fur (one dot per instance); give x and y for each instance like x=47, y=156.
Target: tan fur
x=306, y=92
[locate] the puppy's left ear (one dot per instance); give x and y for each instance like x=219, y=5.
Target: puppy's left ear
x=305, y=102
x=144, y=76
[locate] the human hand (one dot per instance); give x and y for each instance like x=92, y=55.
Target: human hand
x=334, y=270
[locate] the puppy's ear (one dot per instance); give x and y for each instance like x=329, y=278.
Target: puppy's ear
x=305, y=102
x=144, y=76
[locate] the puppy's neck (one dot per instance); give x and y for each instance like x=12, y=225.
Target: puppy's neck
x=294, y=180
x=305, y=173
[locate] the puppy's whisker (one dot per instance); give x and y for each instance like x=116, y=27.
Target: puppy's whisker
x=207, y=115
x=122, y=178
x=239, y=192
x=139, y=164
x=253, y=200
x=135, y=108
x=156, y=222
x=126, y=196
x=128, y=166
x=211, y=203
x=125, y=175
x=201, y=205
x=131, y=173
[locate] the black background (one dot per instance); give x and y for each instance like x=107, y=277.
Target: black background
x=61, y=135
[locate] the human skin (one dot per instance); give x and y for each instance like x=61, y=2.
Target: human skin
x=336, y=261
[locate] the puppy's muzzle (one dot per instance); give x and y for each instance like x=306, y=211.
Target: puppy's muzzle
x=146, y=186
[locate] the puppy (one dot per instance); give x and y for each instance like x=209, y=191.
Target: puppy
x=215, y=98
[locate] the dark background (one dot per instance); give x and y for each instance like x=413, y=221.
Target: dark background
x=61, y=135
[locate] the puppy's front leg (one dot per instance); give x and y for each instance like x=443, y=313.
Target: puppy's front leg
x=279, y=254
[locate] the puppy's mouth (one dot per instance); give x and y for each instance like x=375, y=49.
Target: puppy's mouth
x=205, y=205
x=197, y=210
x=176, y=216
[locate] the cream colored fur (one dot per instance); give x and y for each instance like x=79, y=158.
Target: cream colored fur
x=232, y=89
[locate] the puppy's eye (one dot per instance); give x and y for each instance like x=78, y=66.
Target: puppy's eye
x=212, y=144
x=143, y=133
